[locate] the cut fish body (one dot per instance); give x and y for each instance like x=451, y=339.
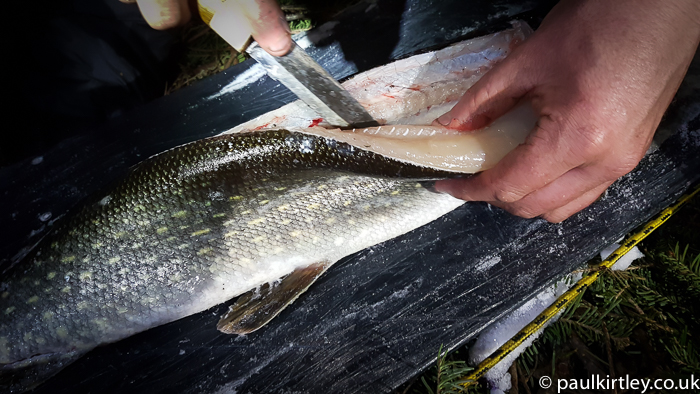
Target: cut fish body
x=411, y=91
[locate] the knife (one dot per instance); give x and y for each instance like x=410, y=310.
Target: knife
x=296, y=70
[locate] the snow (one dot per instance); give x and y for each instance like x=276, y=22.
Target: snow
x=498, y=333
x=625, y=260
x=487, y=263
x=243, y=80
x=45, y=216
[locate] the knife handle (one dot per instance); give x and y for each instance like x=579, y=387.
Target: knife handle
x=227, y=19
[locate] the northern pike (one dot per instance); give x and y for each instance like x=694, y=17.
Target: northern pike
x=264, y=212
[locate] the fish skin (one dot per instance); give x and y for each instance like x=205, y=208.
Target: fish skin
x=198, y=225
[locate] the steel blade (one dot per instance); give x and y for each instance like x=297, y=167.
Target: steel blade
x=314, y=86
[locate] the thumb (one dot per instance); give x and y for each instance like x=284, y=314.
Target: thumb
x=498, y=91
x=270, y=28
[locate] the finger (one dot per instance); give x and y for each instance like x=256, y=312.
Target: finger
x=164, y=14
x=270, y=28
x=560, y=214
x=498, y=91
x=527, y=168
x=564, y=190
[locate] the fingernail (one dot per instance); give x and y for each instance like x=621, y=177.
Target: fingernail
x=445, y=119
x=281, y=46
x=453, y=187
x=442, y=186
x=285, y=24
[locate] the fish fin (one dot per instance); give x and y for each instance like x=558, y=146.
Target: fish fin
x=27, y=374
x=256, y=308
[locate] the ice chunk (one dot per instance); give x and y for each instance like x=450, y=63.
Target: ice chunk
x=624, y=262
x=498, y=333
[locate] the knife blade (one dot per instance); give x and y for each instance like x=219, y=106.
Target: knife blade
x=301, y=74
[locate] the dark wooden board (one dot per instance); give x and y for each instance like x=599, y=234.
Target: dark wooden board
x=376, y=318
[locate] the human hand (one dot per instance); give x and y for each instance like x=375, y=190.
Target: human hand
x=164, y=14
x=600, y=75
x=270, y=28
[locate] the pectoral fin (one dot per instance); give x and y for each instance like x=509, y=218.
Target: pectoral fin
x=256, y=308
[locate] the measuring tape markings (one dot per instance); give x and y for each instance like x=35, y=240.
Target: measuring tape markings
x=570, y=295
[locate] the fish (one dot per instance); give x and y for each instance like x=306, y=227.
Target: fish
x=199, y=225
x=257, y=213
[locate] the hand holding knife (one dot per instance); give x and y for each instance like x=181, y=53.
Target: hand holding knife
x=234, y=20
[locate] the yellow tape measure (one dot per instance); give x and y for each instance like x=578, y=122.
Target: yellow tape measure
x=569, y=296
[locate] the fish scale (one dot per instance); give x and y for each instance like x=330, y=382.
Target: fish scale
x=197, y=226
